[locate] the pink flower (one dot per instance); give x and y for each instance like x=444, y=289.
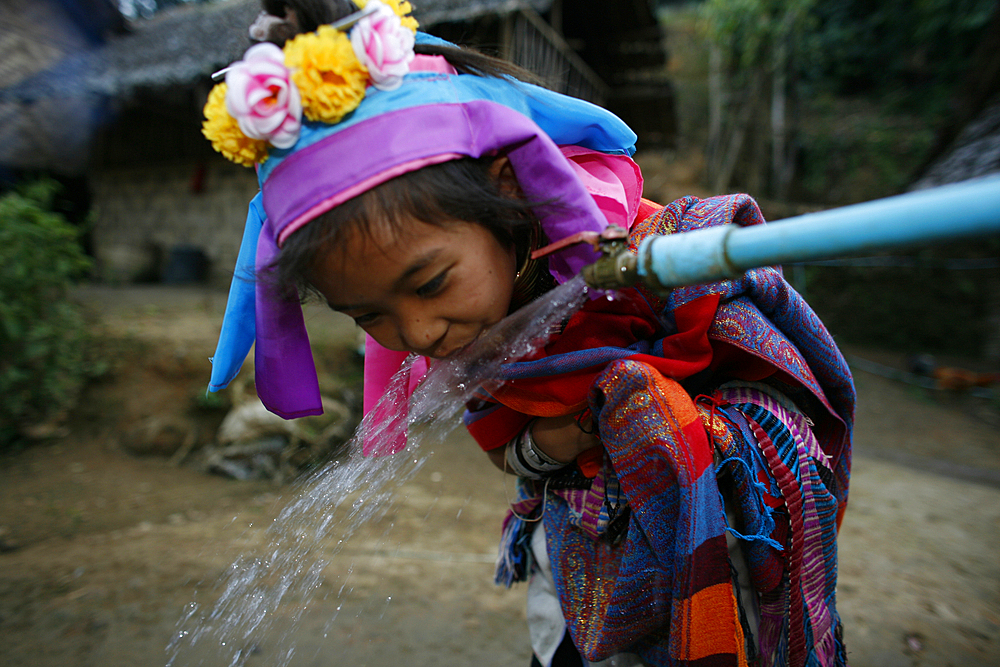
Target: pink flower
x=262, y=99
x=383, y=45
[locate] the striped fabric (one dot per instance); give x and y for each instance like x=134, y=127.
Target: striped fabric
x=661, y=586
x=665, y=590
x=799, y=621
x=669, y=598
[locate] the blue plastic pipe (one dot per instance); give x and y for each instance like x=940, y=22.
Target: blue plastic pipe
x=963, y=210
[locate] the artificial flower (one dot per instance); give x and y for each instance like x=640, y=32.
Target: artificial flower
x=262, y=98
x=402, y=9
x=225, y=134
x=383, y=46
x=328, y=75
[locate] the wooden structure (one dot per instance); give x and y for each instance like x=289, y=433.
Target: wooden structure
x=608, y=53
x=120, y=105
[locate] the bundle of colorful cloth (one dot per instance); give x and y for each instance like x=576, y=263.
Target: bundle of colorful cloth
x=733, y=388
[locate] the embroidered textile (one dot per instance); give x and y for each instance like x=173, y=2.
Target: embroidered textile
x=664, y=591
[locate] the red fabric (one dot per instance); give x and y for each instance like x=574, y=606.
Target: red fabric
x=590, y=462
x=600, y=323
x=498, y=428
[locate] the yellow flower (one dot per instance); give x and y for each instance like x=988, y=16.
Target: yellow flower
x=328, y=75
x=402, y=8
x=222, y=130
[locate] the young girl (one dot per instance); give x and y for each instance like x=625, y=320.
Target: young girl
x=682, y=460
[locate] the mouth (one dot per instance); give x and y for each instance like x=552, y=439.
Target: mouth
x=457, y=350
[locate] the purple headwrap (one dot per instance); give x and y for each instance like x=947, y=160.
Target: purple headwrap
x=433, y=117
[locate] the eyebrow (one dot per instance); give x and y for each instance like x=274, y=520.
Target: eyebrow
x=415, y=267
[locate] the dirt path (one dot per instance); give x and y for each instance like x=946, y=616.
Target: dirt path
x=112, y=549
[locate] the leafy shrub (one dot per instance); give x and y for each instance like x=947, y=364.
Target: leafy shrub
x=854, y=150
x=42, y=337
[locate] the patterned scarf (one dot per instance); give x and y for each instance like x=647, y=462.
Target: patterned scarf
x=663, y=589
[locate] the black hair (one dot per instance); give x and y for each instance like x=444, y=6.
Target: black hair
x=462, y=190
x=308, y=15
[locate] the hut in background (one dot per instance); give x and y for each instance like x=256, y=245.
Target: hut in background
x=118, y=105
x=48, y=112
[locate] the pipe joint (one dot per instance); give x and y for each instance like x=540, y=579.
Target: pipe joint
x=673, y=260
x=615, y=270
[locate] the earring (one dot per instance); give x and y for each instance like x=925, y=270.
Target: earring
x=532, y=278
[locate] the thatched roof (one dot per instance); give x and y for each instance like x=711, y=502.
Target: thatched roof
x=183, y=45
x=35, y=34
x=48, y=46
x=432, y=12
x=176, y=47
x=47, y=120
x=974, y=153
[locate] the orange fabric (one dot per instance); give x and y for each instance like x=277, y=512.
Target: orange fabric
x=676, y=402
x=676, y=406
x=647, y=207
x=708, y=625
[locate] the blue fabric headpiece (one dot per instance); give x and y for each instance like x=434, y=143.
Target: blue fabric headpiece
x=430, y=118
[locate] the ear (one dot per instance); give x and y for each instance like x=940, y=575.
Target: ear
x=502, y=173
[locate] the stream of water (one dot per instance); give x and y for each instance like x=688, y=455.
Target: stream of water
x=332, y=504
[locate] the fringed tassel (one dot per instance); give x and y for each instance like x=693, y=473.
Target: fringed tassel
x=764, y=535
x=829, y=649
x=781, y=651
x=825, y=650
x=514, y=559
x=838, y=638
x=773, y=638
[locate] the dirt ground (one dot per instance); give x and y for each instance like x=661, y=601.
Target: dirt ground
x=106, y=552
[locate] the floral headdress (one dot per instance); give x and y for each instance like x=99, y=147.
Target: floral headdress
x=372, y=110
x=321, y=75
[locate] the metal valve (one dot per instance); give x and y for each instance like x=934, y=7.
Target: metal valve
x=616, y=267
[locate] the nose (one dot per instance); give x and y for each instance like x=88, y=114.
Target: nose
x=421, y=332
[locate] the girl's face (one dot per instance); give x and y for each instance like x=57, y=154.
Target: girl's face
x=419, y=287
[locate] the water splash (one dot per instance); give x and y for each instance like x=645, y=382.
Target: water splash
x=333, y=503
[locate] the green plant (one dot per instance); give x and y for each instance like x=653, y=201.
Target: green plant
x=853, y=149
x=44, y=360
x=771, y=63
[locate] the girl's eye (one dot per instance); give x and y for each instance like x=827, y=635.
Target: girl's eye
x=431, y=287
x=366, y=319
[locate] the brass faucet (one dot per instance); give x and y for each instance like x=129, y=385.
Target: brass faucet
x=616, y=267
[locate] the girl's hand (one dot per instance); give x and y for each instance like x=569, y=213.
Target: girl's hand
x=562, y=439
x=559, y=438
